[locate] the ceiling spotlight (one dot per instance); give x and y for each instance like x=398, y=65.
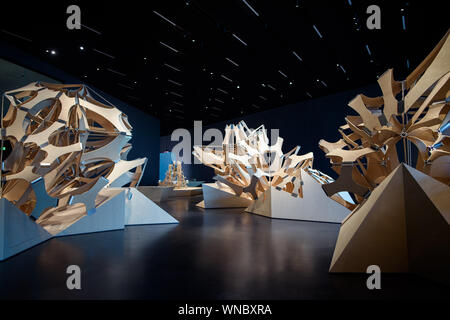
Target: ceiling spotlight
x=81, y=48
x=98, y=69
x=238, y=87
x=53, y=52
x=145, y=58
x=193, y=40
x=291, y=83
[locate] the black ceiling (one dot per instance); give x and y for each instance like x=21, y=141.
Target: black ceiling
x=209, y=74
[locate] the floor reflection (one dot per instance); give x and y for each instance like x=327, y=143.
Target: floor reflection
x=210, y=254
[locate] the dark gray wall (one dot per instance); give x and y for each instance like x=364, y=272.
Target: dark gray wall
x=303, y=123
x=18, y=68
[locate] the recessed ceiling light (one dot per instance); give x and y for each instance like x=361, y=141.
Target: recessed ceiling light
x=297, y=56
x=317, y=31
x=231, y=61
x=251, y=8
x=240, y=40
x=164, y=18
x=282, y=73
x=169, y=47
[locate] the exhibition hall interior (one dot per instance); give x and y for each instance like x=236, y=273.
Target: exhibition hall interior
x=240, y=150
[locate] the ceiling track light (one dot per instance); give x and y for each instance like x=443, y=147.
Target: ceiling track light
x=177, y=103
x=218, y=100
x=125, y=86
x=297, y=56
x=174, y=82
x=172, y=67
x=17, y=36
x=342, y=68
x=239, y=39
x=104, y=53
x=251, y=8
x=282, y=73
x=271, y=87
x=164, y=18
x=226, y=78
x=317, y=31
x=176, y=94
x=169, y=47
x=221, y=90
x=116, y=72
x=232, y=62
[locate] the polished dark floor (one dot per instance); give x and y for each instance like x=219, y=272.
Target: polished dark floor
x=211, y=254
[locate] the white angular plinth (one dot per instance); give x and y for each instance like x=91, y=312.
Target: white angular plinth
x=108, y=216
x=221, y=197
x=314, y=206
x=156, y=193
x=141, y=210
x=116, y=207
x=18, y=232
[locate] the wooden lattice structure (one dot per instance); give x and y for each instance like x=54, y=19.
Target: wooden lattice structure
x=174, y=176
x=249, y=166
x=66, y=147
x=409, y=123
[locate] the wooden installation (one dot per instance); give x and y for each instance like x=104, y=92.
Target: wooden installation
x=401, y=219
x=250, y=173
x=175, y=179
x=68, y=152
x=174, y=176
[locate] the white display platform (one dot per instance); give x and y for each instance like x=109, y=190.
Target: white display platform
x=156, y=193
x=116, y=208
x=18, y=232
x=186, y=192
x=314, y=206
x=221, y=197
x=141, y=210
x=109, y=216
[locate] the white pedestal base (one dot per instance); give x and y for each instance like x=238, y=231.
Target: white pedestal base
x=314, y=206
x=156, y=193
x=221, y=197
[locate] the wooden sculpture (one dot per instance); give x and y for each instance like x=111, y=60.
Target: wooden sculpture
x=249, y=168
x=411, y=118
x=66, y=148
x=395, y=159
x=174, y=176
